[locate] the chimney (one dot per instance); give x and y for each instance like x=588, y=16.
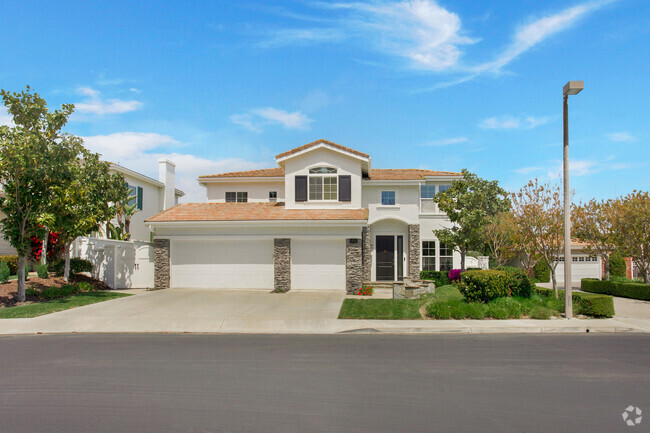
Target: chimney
x=167, y=175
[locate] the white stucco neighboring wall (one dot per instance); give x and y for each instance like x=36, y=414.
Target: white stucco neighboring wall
x=407, y=199
x=322, y=157
x=258, y=190
x=152, y=204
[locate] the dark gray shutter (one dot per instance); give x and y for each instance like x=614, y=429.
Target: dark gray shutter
x=139, y=198
x=301, y=188
x=345, y=188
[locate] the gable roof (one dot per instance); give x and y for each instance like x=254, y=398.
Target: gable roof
x=142, y=177
x=319, y=142
x=264, y=172
x=252, y=212
x=406, y=173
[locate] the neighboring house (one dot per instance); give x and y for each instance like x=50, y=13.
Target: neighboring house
x=582, y=264
x=150, y=196
x=322, y=219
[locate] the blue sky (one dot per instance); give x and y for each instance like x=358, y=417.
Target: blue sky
x=445, y=85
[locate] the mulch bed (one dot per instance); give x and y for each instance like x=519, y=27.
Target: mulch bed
x=8, y=291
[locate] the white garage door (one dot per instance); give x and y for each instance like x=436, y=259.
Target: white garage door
x=222, y=264
x=582, y=267
x=318, y=264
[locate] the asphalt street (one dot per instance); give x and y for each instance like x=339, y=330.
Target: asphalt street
x=323, y=383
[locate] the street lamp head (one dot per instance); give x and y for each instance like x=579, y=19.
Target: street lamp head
x=573, y=87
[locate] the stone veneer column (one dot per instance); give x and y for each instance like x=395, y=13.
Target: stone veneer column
x=353, y=265
x=161, y=263
x=282, y=264
x=414, y=251
x=366, y=244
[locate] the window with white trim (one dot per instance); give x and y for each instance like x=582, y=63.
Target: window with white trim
x=388, y=198
x=273, y=196
x=236, y=197
x=428, y=255
x=446, y=257
x=323, y=187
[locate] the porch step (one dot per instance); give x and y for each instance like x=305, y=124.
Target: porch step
x=380, y=284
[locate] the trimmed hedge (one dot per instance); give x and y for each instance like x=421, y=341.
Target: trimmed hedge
x=12, y=262
x=589, y=304
x=483, y=286
x=542, y=271
x=624, y=290
x=440, y=278
x=617, y=266
x=77, y=266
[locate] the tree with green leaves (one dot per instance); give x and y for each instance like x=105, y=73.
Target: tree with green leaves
x=30, y=156
x=593, y=224
x=469, y=204
x=499, y=235
x=632, y=230
x=82, y=202
x=539, y=212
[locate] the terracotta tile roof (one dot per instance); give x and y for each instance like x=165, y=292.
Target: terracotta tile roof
x=252, y=212
x=264, y=172
x=321, y=141
x=406, y=173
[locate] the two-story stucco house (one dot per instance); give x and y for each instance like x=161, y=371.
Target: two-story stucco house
x=322, y=219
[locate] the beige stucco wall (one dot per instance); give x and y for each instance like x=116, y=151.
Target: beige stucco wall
x=258, y=191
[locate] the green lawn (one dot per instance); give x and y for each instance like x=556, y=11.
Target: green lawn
x=394, y=309
x=41, y=308
x=449, y=303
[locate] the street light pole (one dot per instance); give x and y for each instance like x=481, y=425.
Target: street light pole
x=571, y=88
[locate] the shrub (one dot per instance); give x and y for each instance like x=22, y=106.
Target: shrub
x=439, y=310
x=77, y=265
x=51, y=293
x=30, y=291
x=365, y=290
x=624, y=290
x=541, y=313
x=511, y=306
x=542, y=272
x=454, y=275
x=589, y=304
x=439, y=278
x=12, y=262
x=4, y=272
x=483, y=286
x=41, y=271
x=617, y=267
x=84, y=286
x=476, y=310
x=518, y=281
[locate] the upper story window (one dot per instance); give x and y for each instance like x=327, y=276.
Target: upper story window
x=429, y=191
x=273, y=196
x=388, y=198
x=236, y=197
x=322, y=170
x=135, y=196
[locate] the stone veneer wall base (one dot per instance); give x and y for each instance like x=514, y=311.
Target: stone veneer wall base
x=366, y=242
x=282, y=264
x=414, y=251
x=353, y=265
x=161, y=263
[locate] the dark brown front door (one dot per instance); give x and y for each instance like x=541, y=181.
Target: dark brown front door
x=385, y=258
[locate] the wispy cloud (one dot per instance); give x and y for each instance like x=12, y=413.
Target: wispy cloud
x=621, y=136
x=586, y=167
x=535, y=32
x=511, y=122
x=527, y=170
x=255, y=119
x=445, y=141
x=140, y=152
x=95, y=105
x=302, y=37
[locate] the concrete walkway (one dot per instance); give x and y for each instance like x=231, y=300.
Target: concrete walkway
x=296, y=312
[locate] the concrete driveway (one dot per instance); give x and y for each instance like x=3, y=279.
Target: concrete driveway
x=192, y=310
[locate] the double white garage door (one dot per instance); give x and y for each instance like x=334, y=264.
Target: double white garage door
x=583, y=267
x=248, y=264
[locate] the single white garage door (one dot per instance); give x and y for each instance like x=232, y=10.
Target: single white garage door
x=318, y=264
x=222, y=264
x=582, y=267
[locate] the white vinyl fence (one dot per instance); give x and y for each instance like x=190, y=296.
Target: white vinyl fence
x=119, y=264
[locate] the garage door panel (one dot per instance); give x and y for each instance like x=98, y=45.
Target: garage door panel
x=222, y=264
x=580, y=269
x=318, y=264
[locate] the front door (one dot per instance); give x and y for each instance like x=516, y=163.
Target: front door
x=385, y=258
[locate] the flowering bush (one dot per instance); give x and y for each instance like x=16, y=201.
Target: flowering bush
x=454, y=275
x=364, y=291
